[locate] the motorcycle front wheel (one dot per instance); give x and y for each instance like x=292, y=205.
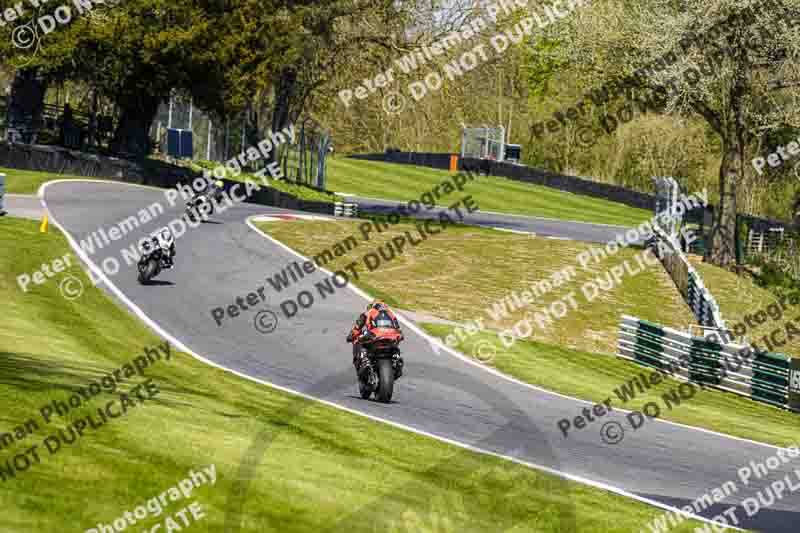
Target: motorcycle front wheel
x=148, y=271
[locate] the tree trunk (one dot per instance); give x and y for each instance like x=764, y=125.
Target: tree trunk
x=734, y=138
x=25, y=106
x=132, y=136
x=285, y=93
x=723, y=233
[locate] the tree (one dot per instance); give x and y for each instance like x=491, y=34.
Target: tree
x=132, y=53
x=733, y=65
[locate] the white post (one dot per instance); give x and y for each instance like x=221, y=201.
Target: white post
x=502, y=155
x=191, y=101
x=2, y=192
x=169, y=120
x=208, y=144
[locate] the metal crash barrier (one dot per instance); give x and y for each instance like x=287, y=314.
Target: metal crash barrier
x=766, y=377
x=342, y=209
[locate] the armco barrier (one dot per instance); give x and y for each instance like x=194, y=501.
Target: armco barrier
x=765, y=377
x=688, y=281
x=150, y=172
x=345, y=209
x=438, y=161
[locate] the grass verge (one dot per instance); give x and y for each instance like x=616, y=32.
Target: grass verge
x=321, y=468
x=393, y=181
x=462, y=273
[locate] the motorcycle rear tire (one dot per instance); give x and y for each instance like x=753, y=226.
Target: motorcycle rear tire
x=385, y=380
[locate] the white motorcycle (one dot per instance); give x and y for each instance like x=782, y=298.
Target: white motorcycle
x=157, y=252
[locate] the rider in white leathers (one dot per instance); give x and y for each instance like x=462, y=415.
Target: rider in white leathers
x=166, y=241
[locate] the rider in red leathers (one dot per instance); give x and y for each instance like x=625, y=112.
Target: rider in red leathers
x=376, y=323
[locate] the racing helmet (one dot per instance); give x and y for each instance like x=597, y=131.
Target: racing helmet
x=164, y=235
x=219, y=184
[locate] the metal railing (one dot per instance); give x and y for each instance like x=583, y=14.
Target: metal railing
x=688, y=281
x=766, y=377
x=343, y=209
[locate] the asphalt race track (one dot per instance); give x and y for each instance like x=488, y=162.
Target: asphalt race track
x=544, y=227
x=23, y=206
x=439, y=394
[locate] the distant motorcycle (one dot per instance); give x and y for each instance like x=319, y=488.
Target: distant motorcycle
x=385, y=365
x=200, y=206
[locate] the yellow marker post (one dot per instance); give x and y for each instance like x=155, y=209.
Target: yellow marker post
x=43, y=227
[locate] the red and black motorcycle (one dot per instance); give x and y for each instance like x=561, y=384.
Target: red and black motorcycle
x=382, y=364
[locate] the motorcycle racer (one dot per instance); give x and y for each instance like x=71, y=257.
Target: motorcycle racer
x=215, y=189
x=375, y=323
x=166, y=241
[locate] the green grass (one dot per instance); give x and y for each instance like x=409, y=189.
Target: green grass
x=407, y=182
x=455, y=275
x=460, y=272
x=29, y=181
x=309, y=466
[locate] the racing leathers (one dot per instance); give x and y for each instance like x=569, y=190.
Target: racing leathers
x=164, y=239
x=369, y=324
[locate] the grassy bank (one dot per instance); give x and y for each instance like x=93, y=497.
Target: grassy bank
x=407, y=182
x=463, y=271
x=314, y=467
x=297, y=190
